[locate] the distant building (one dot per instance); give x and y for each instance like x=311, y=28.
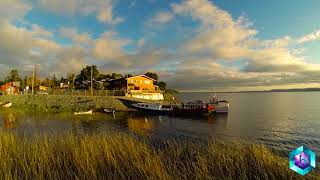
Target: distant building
x=64, y=85
x=140, y=86
x=41, y=88
x=10, y=88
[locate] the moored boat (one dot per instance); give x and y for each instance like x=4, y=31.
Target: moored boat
x=7, y=105
x=153, y=108
x=193, y=108
x=84, y=112
x=109, y=110
x=220, y=106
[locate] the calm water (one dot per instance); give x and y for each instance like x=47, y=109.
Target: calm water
x=281, y=120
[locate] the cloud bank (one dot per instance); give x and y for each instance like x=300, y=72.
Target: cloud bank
x=218, y=52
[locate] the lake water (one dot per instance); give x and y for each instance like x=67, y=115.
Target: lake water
x=282, y=120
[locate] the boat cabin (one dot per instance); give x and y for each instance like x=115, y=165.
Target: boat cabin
x=194, y=105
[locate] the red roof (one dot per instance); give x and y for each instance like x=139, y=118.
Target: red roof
x=7, y=85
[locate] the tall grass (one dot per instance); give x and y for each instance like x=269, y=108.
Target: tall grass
x=119, y=156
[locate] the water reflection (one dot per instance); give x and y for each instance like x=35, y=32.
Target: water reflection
x=9, y=120
x=278, y=120
x=141, y=125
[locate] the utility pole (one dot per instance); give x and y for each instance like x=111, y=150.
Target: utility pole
x=73, y=79
x=91, y=81
x=33, y=74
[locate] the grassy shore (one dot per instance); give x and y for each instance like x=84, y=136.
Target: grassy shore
x=62, y=103
x=119, y=156
x=68, y=103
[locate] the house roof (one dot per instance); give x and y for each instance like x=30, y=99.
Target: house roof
x=142, y=75
x=8, y=84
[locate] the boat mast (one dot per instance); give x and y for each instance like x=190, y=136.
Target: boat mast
x=91, y=82
x=33, y=74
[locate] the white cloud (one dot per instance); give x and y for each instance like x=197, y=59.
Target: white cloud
x=40, y=32
x=75, y=36
x=218, y=34
x=141, y=42
x=309, y=37
x=103, y=9
x=209, y=56
x=160, y=18
x=13, y=9
x=105, y=16
x=109, y=47
x=219, y=38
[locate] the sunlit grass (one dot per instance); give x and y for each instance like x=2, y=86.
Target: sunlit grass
x=120, y=156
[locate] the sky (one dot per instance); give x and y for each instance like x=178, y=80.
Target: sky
x=194, y=45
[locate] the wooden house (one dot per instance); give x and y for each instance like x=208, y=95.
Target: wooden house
x=10, y=88
x=140, y=86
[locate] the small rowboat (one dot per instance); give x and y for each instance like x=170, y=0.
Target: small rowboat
x=109, y=110
x=7, y=105
x=86, y=112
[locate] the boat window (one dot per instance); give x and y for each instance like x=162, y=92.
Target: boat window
x=147, y=106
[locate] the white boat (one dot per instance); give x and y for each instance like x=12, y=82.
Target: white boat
x=85, y=112
x=7, y=105
x=220, y=106
x=154, y=108
x=109, y=110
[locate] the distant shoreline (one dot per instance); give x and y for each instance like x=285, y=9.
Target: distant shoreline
x=272, y=90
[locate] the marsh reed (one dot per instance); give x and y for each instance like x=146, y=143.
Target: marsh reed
x=121, y=156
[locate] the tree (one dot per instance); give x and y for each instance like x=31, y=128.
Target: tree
x=13, y=76
x=71, y=79
x=103, y=77
x=116, y=76
x=54, y=81
x=47, y=82
x=27, y=81
x=85, y=74
x=62, y=80
x=152, y=75
x=162, y=85
x=128, y=75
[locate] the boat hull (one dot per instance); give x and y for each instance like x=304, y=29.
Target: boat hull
x=7, y=105
x=193, y=111
x=221, y=107
x=82, y=113
x=151, y=111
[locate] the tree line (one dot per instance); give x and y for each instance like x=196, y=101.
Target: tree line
x=76, y=81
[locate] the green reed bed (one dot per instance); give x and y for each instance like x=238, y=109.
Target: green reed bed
x=120, y=156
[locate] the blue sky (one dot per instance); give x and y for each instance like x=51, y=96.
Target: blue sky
x=192, y=44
